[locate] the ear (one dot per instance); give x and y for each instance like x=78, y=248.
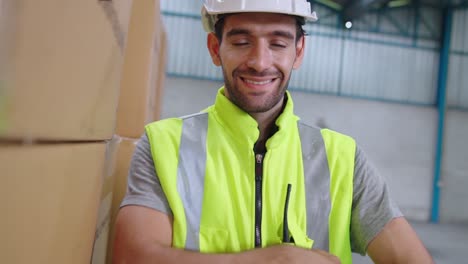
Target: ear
x=300, y=47
x=212, y=43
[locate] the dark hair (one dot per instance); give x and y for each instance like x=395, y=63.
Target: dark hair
x=219, y=26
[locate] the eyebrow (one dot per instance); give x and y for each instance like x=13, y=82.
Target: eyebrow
x=284, y=34
x=240, y=31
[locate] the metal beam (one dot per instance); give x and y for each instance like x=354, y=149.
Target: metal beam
x=417, y=14
x=441, y=106
x=461, y=5
x=402, y=29
x=432, y=31
x=328, y=4
x=356, y=8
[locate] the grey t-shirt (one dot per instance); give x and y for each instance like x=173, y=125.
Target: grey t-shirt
x=372, y=207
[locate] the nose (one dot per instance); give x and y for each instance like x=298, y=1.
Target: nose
x=260, y=57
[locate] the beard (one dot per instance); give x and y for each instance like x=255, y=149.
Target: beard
x=245, y=102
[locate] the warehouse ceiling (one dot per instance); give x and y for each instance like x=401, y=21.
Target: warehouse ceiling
x=352, y=9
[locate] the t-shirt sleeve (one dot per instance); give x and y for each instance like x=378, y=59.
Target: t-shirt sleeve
x=143, y=186
x=372, y=206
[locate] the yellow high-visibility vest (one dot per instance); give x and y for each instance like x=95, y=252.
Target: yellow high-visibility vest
x=226, y=198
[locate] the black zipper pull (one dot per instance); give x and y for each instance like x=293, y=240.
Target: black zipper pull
x=259, y=158
x=286, y=238
x=258, y=167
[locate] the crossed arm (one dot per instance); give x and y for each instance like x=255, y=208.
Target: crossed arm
x=144, y=235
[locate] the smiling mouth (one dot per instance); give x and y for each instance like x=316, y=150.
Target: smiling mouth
x=253, y=82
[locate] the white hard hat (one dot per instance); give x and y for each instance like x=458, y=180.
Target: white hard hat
x=212, y=8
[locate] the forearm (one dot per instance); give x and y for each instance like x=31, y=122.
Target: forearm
x=168, y=255
x=144, y=235
x=280, y=254
x=398, y=243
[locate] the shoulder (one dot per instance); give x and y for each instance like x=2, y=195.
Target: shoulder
x=172, y=126
x=306, y=126
x=335, y=143
x=325, y=132
x=336, y=137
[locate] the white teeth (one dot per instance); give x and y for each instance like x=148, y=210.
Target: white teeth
x=257, y=83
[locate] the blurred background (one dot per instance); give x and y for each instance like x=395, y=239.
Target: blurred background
x=80, y=79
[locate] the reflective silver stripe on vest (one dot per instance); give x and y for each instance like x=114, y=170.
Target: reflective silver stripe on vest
x=191, y=174
x=317, y=185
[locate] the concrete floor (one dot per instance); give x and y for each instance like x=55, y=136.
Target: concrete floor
x=448, y=244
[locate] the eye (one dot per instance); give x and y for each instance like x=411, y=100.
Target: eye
x=279, y=45
x=240, y=43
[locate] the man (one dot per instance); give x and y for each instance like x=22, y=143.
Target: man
x=245, y=181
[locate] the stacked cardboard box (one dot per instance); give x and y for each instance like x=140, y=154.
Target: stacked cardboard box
x=111, y=199
x=5, y=50
x=63, y=162
x=143, y=70
x=104, y=211
x=60, y=73
x=50, y=195
x=63, y=75
x=140, y=99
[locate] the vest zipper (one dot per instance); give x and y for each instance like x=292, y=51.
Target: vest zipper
x=286, y=235
x=258, y=198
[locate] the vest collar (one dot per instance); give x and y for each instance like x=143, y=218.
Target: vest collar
x=244, y=128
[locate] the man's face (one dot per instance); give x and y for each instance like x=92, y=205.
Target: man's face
x=257, y=54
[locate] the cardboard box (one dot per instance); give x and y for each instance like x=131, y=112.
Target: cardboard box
x=162, y=77
x=50, y=198
x=118, y=13
x=124, y=156
x=6, y=24
x=143, y=70
x=102, y=230
x=104, y=213
x=5, y=35
x=119, y=154
x=64, y=70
